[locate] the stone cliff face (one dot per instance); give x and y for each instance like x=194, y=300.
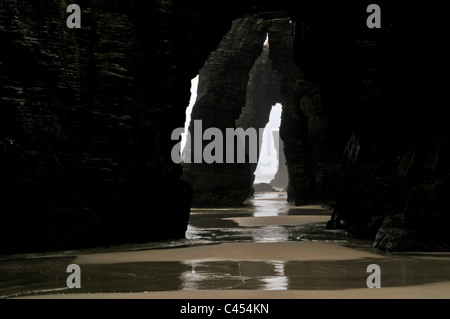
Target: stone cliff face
x=221, y=95
x=263, y=91
x=86, y=116
x=224, y=81
x=308, y=139
x=386, y=120
x=281, y=178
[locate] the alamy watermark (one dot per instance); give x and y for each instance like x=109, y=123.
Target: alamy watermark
x=374, y=280
x=374, y=19
x=74, y=279
x=238, y=145
x=74, y=20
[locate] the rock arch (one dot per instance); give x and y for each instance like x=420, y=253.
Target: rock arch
x=86, y=116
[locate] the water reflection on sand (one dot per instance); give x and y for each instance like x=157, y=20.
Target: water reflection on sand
x=268, y=275
x=281, y=247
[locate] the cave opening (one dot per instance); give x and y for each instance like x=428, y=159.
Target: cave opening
x=88, y=116
x=271, y=168
x=242, y=86
x=184, y=135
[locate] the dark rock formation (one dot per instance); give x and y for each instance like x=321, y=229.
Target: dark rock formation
x=398, y=200
x=382, y=86
x=263, y=187
x=221, y=95
x=273, y=78
x=263, y=91
x=281, y=178
x=308, y=138
x=86, y=116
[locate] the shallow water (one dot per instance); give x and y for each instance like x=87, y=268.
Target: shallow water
x=34, y=274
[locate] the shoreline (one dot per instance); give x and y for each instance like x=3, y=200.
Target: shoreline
x=289, y=220
x=242, y=269
x=439, y=290
x=256, y=251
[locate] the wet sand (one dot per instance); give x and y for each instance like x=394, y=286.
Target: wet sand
x=268, y=250
x=262, y=271
x=440, y=290
x=279, y=220
x=233, y=251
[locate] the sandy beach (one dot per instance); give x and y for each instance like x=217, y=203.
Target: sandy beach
x=233, y=251
x=280, y=220
x=287, y=251
x=279, y=251
x=439, y=290
x=267, y=251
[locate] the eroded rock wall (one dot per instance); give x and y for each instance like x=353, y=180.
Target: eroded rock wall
x=86, y=116
x=221, y=97
x=313, y=163
x=281, y=178
x=382, y=93
x=263, y=92
x=308, y=138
